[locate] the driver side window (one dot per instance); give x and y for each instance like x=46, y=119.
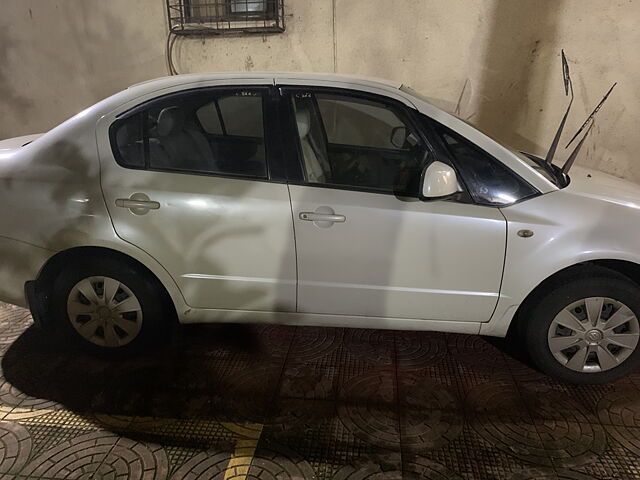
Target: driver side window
x=357, y=143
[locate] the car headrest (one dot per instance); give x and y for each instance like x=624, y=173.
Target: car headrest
x=303, y=119
x=124, y=136
x=170, y=120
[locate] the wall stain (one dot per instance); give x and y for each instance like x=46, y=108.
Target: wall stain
x=248, y=63
x=14, y=105
x=514, y=46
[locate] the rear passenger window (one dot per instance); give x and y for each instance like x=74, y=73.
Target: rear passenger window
x=129, y=141
x=209, y=118
x=239, y=115
x=203, y=131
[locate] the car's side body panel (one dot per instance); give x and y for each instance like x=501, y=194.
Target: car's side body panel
x=325, y=320
x=20, y=262
x=569, y=227
x=52, y=201
x=398, y=257
x=51, y=191
x=227, y=242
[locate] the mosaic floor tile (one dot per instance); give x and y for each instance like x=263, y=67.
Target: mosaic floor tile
x=431, y=415
x=368, y=408
x=81, y=456
x=271, y=402
x=15, y=447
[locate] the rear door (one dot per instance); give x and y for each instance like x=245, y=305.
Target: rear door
x=188, y=178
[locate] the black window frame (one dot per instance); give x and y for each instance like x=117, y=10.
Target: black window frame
x=272, y=139
x=293, y=155
x=436, y=128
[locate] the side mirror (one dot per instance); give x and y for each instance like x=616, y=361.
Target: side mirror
x=439, y=180
x=398, y=137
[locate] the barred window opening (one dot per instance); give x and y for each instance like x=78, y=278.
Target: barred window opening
x=201, y=17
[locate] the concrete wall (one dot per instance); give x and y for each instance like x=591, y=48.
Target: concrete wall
x=497, y=60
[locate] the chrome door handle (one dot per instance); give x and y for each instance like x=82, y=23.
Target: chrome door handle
x=322, y=217
x=138, y=203
x=126, y=203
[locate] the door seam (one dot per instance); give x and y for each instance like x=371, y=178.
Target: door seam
x=295, y=243
x=504, y=264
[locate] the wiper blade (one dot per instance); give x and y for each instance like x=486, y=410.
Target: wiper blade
x=569, y=163
x=589, y=122
x=590, y=117
x=568, y=87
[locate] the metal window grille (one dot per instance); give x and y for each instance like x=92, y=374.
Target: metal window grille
x=202, y=17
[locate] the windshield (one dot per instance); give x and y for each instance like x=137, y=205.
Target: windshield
x=550, y=172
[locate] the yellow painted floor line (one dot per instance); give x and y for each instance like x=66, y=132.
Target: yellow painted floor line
x=240, y=462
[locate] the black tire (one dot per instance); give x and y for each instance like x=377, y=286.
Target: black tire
x=158, y=313
x=580, y=284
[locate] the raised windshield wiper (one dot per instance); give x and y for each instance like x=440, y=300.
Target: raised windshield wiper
x=588, y=123
x=568, y=87
x=590, y=117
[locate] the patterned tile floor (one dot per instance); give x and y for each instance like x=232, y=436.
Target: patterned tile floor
x=271, y=402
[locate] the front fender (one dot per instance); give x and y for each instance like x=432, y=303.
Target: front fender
x=568, y=229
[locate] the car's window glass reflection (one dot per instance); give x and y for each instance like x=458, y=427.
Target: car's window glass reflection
x=198, y=132
x=357, y=143
x=489, y=181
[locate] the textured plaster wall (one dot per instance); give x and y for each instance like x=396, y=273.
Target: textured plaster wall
x=497, y=61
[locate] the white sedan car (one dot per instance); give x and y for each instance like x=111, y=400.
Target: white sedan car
x=314, y=200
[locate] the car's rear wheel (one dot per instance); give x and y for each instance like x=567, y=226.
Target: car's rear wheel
x=586, y=330
x=110, y=306
x=104, y=311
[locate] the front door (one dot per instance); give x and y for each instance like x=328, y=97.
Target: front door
x=186, y=178
x=366, y=245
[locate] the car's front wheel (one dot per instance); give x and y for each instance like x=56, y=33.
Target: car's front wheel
x=110, y=305
x=586, y=328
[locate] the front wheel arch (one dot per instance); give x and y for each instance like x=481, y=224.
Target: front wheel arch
x=569, y=289
x=629, y=269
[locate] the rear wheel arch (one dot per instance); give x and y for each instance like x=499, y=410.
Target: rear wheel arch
x=60, y=260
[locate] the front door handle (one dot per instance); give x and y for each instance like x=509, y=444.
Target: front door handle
x=138, y=203
x=322, y=217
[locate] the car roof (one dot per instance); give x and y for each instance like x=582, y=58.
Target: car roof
x=270, y=77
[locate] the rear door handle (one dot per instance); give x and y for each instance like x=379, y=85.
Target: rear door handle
x=138, y=203
x=322, y=217
x=148, y=204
